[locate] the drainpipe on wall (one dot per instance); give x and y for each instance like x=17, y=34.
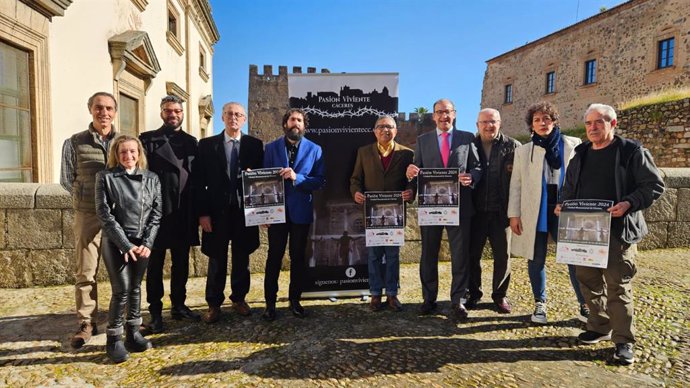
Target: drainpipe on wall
x=188, y=67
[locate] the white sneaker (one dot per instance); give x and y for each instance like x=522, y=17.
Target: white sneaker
x=539, y=314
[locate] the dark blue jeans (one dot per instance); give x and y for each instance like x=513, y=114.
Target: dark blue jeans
x=537, y=269
x=380, y=275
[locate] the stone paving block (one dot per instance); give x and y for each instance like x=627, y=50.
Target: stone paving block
x=678, y=235
x=683, y=208
x=67, y=228
x=52, y=266
x=664, y=209
x=657, y=237
x=35, y=229
x=53, y=196
x=18, y=195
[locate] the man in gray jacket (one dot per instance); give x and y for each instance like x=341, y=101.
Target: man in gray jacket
x=83, y=155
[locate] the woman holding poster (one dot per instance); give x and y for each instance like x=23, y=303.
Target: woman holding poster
x=538, y=172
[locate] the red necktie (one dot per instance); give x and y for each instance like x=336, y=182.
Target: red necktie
x=445, y=149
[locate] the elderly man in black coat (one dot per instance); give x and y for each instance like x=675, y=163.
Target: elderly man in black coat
x=171, y=152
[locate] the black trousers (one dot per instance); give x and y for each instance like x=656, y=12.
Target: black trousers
x=125, y=281
x=179, y=273
x=278, y=235
x=458, y=237
x=491, y=226
x=218, y=265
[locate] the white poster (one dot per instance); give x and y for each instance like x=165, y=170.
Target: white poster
x=384, y=213
x=584, y=231
x=264, y=197
x=438, y=197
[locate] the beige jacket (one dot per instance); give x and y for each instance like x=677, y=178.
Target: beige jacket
x=525, y=191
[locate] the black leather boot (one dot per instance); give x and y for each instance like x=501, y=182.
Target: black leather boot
x=115, y=349
x=134, y=341
x=155, y=326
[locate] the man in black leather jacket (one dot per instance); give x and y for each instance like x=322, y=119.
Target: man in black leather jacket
x=490, y=197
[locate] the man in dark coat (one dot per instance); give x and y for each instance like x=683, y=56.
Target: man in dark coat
x=170, y=152
x=218, y=197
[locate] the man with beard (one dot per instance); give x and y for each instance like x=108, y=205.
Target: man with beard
x=170, y=152
x=83, y=155
x=303, y=170
x=447, y=147
x=218, y=196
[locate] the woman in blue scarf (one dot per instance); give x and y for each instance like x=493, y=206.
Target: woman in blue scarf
x=538, y=173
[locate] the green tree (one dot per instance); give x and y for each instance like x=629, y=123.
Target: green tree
x=420, y=111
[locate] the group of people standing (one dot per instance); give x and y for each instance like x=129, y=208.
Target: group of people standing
x=510, y=195
x=136, y=198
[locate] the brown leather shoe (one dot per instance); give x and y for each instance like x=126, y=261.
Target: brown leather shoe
x=83, y=335
x=375, y=303
x=212, y=315
x=242, y=308
x=393, y=303
x=503, y=306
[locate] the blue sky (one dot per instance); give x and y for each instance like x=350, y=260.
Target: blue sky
x=439, y=47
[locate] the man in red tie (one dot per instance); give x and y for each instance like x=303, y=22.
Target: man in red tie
x=451, y=148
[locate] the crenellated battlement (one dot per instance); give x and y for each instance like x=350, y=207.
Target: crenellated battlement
x=282, y=71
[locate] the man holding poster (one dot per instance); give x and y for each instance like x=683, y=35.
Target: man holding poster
x=609, y=167
x=381, y=167
x=447, y=147
x=220, y=207
x=302, y=168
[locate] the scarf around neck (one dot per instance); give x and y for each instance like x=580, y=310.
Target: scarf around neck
x=550, y=144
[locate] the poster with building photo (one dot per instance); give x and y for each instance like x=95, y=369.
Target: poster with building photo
x=584, y=230
x=438, y=196
x=384, y=218
x=264, y=197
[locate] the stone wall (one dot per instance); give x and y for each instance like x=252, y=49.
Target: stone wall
x=663, y=128
x=623, y=41
x=37, y=243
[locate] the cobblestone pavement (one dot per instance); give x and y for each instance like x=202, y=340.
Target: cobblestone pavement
x=343, y=344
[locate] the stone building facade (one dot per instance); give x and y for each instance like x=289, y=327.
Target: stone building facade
x=268, y=101
x=54, y=54
x=631, y=50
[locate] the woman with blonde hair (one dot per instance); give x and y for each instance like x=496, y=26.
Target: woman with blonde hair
x=128, y=204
